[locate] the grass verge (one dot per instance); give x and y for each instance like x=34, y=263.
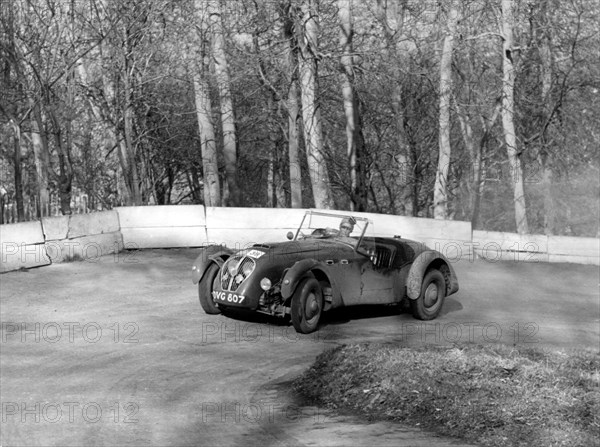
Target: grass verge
x=491, y=395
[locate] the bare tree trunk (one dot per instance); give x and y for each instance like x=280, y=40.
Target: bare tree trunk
x=130, y=168
x=226, y=101
x=275, y=190
x=206, y=130
x=132, y=177
x=354, y=136
x=311, y=114
x=547, y=182
x=287, y=9
x=474, y=152
x=293, y=139
x=42, y=159
x=208, y=145
x=440, y=191
x=508, y=124
x=270, y=182
x=3, y=195
x=272, y=157
x=406, y=163
x=487, y=126
x=65, y=171
x=280, y=199
x=18, y=170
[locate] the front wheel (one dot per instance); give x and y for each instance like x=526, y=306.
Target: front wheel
x=205, y=288
x=433, y=291
x=307, y=305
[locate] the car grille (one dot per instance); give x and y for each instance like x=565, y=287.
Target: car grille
x=243, y=265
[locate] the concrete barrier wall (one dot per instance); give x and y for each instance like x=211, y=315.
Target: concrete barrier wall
x=82, y=236
x=192, y=225
x=162, y=226
x=580, y=250
x=242, y=227
x=22, y=246
x=493, y=245
x=498, y=246
x=88, y=236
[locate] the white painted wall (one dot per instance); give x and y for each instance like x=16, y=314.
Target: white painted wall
x=492, y=245
x=163, y=226
x=22, y=246
x=580, y=250
x=243, y=227
x=82, y=236
x=89, y=236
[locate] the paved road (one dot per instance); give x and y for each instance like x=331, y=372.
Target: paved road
x=119, y=352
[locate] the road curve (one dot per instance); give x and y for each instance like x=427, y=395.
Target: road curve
x=117, y=351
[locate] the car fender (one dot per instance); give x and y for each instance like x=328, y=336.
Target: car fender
x=420, y=265
x=211, y=254
x=293, y=275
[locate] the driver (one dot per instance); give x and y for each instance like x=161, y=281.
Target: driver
x=347, y=226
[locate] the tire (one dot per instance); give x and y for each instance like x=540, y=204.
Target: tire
x=205, y=287
x=307, y=306
x=431, y=300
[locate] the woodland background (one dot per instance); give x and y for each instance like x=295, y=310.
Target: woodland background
x=482, y=110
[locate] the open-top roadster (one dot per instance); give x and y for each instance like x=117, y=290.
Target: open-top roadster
x=322, y=267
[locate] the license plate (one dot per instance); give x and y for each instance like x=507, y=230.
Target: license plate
x=228, y=297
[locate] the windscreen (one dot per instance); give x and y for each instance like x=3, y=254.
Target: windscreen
x=341, y=228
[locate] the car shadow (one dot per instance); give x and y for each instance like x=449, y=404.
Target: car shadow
x=346, y=314
x=451, y=305
x=254, y=317
x=341, y=315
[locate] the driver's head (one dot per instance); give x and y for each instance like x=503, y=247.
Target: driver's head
x=347, y=226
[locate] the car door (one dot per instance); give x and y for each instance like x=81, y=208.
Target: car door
x=344, y=269
x=378, y=276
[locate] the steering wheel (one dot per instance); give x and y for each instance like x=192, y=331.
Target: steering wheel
x=319, y=233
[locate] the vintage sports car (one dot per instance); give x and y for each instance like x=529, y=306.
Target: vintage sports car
x=330, y=261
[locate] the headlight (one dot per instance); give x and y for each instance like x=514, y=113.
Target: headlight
x=232, y=268
x=247, y=269
x=265, y=284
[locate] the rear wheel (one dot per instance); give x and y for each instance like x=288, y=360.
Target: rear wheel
x=433, y=291
x=307, y=305
x=205, y=288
